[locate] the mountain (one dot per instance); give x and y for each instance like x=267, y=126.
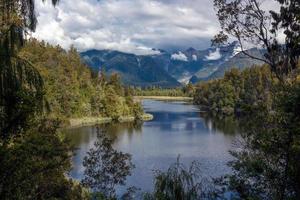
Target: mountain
x=239, y=61
x=167, y=69
x=134, y=70
x=200, y=63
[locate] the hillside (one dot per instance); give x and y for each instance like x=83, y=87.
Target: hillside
x=134, y=70
x=170, y=69
x=239, y=61
x=72, y=90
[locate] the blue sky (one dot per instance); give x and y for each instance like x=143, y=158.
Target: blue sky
x=134, y=26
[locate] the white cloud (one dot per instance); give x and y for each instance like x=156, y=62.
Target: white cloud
x=195, y=58
x=134, y=26
x=214, y=55
x=179, y=56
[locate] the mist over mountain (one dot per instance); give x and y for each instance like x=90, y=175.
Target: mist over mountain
x=171, y=69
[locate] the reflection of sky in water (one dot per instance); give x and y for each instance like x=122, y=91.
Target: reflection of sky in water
x=177, y=129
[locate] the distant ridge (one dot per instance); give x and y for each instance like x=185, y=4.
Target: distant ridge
x=171, y=69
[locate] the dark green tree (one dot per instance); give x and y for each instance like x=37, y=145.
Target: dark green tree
x=106, y=168
x=267, y=167
x=181, y=183
x=34, y=167
x=18, y=78
x=267, y=164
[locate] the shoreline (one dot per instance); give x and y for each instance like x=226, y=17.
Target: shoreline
x=90, y=121
x=164, y=98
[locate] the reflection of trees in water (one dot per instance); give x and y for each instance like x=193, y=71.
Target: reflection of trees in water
x=229, y=125
x=80, y=135
x=85, y=135
x=115, y=130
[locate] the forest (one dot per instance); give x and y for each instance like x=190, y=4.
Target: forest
x=73, y=90
x=240, y=92
x=184, y=91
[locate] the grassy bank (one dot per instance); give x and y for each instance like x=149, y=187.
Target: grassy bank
x=89, y=121
x=164, y=98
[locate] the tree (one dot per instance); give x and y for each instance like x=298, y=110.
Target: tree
x=17, y=18
x=267, y=164
x=115, y=81
x=181, y=183
x=265, y=168
x=247, y=22
x=34, y=167
x=105, y=168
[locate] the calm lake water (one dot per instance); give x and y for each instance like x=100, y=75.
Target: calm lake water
x=178, y=128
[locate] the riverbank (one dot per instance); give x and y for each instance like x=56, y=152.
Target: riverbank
x=164, y=98
x=89, y=121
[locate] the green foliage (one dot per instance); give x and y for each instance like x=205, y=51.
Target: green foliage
x=34, y=167
x=34, y=160
x=187, y=90
x=105, y=168
x=18, y=78
x=181, y=183
x=267, y=164
x=237, y=91
x=72, y=90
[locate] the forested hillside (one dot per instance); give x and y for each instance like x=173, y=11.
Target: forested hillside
x=239, y=91
x=72, y=90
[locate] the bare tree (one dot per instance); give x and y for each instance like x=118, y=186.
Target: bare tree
x=246, y=21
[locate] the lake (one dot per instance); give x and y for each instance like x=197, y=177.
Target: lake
x=178, y=128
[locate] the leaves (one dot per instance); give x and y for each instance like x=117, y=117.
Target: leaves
x=106, y=168
x=237, y=92
x=180, y=182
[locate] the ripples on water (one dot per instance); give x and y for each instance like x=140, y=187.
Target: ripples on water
x=178, y=128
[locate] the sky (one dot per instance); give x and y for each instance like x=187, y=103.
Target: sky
x=133, y=26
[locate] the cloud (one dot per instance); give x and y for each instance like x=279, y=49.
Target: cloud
x=216, y=55
x=179, y=56
x=195, y=58
x=135, y=26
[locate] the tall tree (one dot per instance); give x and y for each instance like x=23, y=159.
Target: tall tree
x=267, y=167
x=18, y=78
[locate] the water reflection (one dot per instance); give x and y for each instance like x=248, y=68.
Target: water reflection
x=226, y=124
x=177, y=128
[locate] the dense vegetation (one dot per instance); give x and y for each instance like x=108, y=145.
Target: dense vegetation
x=266, y=165
x=237, y=92
x=185, y=91
x=72, y=90
x=34, y=159
x=181, y=182
x=38, y=84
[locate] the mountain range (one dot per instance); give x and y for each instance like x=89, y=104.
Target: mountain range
x=171, y=69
